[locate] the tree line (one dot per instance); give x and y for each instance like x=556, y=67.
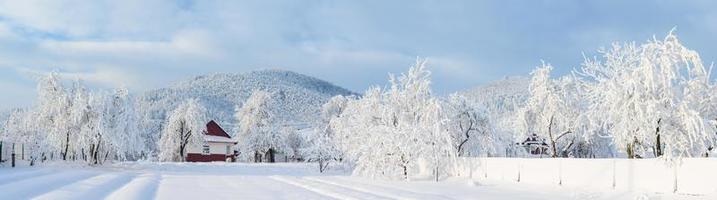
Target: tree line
x=654, y=99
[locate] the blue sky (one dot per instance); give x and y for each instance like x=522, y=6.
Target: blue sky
x=146, y=44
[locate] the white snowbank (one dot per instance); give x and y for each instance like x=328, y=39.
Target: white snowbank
x=694, y=176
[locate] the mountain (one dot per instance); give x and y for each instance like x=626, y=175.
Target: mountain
x=500, y=95
x=500, y=98
x=299, y=97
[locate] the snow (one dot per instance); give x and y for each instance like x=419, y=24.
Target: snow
x=214, y=138
x=301, y=95
x=644, y=175
x=152, y=180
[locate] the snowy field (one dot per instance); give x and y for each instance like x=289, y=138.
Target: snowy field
x=265, y=181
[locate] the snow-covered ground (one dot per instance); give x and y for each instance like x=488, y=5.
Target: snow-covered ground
x=144, y=180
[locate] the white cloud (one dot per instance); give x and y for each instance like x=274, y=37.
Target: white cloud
x=351, y=43
x=108, y=77
x=74, y=17
x=184, y=44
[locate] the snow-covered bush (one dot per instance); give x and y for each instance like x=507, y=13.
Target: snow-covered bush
x=185, y=127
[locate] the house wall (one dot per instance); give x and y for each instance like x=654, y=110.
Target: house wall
x=214, y=148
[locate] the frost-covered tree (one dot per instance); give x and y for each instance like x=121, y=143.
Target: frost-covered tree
x=121, y=122
x=321, y=144
x=150, y=125
x=110, y=130
x=20, y=129
x=651, y=98
x=77, y=123
x=548, y=112
x=258, y=132
x=294, y=143
x=398, y=132
x=470, y=129
x=13, y=128
x=53, y=110
x=320, y=149
x=502, y=100
x=184, y=129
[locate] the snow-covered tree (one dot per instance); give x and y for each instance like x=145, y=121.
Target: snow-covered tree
x=548, y=112
x=397, y=132
x=53, y=110
x=471, y=131
x=111, y=130
x=651, y=98
x=14, y=127
x=321, y=144
x=185, y=128
x=502, y=100
x=121, y=121
x=258, y=133
x=20, y=129
x=294, y=143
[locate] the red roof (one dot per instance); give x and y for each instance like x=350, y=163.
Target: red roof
x=214, y=129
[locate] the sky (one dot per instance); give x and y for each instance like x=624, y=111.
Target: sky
x=148, y=44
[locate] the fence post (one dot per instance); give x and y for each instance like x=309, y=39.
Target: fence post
x=520, y=165
x=485, y=169
x=614, y=172
x=470, y=167
x=674, y=174
x=560, y=172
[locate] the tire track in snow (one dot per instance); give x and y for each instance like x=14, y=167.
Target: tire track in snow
x=382, y=191
x=31, y=187
x=96, y=187
x=332, y=191
x=140, y=187
x=14, y=176
x=278, y=189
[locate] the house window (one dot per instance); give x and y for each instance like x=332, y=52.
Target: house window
x=205, y=150
x=229, y=148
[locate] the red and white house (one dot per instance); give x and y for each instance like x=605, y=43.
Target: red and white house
x=218, y=146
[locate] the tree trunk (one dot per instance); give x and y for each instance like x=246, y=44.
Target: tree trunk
x=97, y=150
x=67, y=145
x=707, y=154
x=1, y=152
x=271, y=156
x=107, y=154
x=658, y=143
x=257, y=157
x=405, y=172
x=13, y=155
x=552, y=140
x=630, y=151
x=466, y=132
x=181, y=153
x=404, y=165
x=92, y=149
